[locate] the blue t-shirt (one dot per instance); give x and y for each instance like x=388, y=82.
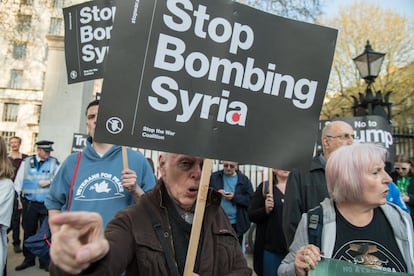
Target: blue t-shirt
x=229, y=182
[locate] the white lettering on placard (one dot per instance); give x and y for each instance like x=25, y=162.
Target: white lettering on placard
x=170, y=57
x=233, y=113
x=374, y=136
x=80, y=140
x=91, y=53
x=173, y=55
x=88, y=33
x=156, y=133
x=89, y=14
x=233, y=33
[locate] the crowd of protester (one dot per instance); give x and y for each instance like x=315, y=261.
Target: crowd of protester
x=98, y=209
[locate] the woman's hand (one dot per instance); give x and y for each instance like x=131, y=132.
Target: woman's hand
x=307, y=257
x=269, y=203
x=405, y=198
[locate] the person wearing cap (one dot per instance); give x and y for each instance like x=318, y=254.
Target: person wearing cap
x=32, y=184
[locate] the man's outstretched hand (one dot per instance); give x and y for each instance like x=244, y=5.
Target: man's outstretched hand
x=79, y=242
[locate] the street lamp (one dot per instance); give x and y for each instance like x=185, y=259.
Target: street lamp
x=369, y=65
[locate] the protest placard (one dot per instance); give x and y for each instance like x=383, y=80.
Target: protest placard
x=368, y=129
x=216, y=79
x=88, y=28
x=78, y=142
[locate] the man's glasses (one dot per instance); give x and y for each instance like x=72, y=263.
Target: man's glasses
x=401, y=168
x=345, y=136
x=229, y=165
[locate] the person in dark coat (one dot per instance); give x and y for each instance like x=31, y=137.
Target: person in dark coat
x=306, y=189
x=237, y=192
x=266, y=211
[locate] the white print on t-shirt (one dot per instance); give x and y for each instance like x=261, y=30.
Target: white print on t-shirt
x=100, y=186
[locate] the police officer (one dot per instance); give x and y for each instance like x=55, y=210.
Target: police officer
x=32, y=184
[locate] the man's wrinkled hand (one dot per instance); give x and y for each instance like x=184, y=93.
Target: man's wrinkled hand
x=79, y=242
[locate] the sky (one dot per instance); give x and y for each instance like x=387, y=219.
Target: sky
x=403, y=7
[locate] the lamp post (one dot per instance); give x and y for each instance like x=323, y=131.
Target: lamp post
x=369, y=65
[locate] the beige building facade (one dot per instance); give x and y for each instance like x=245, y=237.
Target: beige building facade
x=35, y=100
x=24, y=25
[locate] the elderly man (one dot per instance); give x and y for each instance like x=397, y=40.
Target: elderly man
x=81, y=246
x=32, y=182
x=306, y=189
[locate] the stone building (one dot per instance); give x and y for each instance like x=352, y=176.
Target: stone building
x=24, y=25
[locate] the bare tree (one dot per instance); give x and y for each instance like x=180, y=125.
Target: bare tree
x=388, y=32
x=307, y=11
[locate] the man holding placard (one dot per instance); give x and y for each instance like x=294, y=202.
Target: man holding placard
x=152, y=236
x=96, y=179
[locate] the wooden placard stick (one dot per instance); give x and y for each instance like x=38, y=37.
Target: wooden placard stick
x=198, y=217
x=270, y=181
x=124, y=157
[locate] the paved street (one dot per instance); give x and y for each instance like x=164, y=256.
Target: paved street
x=14, y=260
x=249, y=258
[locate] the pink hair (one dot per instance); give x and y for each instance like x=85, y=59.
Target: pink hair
x=346, y=166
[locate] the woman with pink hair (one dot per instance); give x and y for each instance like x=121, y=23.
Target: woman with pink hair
x=358, y=225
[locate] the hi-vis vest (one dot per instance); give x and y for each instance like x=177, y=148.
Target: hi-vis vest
x=33, y=173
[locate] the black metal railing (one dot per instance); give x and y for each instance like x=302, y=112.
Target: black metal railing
x=404, y=141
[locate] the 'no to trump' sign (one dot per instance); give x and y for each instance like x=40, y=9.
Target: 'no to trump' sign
x=216, y=79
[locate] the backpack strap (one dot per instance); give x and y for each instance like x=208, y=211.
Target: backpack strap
x=172, y=266
x=73, y=179
x=315, y=225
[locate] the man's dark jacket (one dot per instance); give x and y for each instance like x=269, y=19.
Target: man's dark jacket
x=242, y=198
x=136, y=250
x=304, y=190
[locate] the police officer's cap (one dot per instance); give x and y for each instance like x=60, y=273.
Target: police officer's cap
x=45, y=145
